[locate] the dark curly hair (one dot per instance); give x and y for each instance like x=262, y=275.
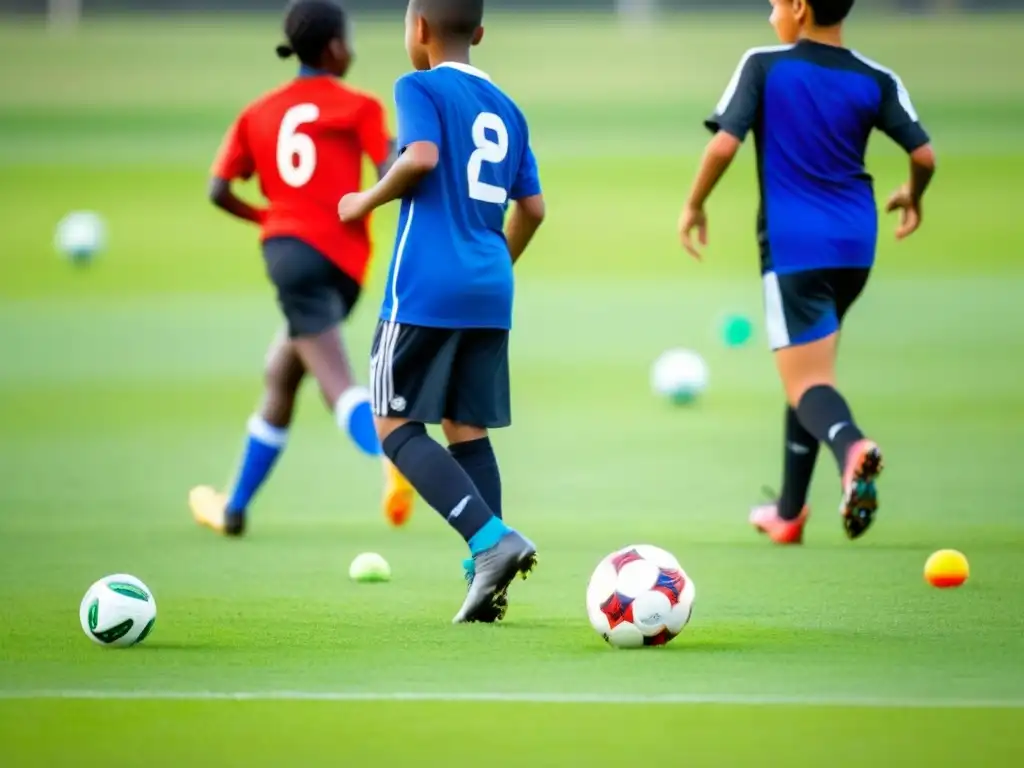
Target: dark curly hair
x=309, y=25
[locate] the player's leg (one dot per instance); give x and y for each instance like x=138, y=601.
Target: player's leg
x=411, y=372
x=805, y=310
x=471, y=447
x=266, y=439
x=324, y=356
x=479, y=400
x=784, y=517
x=317, y=297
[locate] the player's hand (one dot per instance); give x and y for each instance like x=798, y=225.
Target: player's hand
x=352, y=207
x=693, y=219
x=910, y=211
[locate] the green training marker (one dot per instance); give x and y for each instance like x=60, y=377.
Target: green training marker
x=736, y=330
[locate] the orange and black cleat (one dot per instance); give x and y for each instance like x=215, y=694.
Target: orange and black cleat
x=860, y=496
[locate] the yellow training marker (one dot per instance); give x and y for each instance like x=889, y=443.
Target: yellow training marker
x=946, y=568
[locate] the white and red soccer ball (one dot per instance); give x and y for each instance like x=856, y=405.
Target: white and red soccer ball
x=639, y=596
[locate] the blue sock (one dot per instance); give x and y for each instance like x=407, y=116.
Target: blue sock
x=355, y=416
x=263, y=446
x=487, y=536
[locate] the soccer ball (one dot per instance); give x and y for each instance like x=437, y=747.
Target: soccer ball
x=639, y=596
x=80, y=236
x=679, y=375
x=118, y=610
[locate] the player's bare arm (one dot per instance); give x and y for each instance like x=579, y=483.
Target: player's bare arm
x=418, y=159
x=526, y=217
x=223, y=197
x=383, y=168
x=907, y=199
x=717, y=157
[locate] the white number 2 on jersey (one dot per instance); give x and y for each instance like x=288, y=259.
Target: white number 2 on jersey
x=487, y=151
x=296, y=153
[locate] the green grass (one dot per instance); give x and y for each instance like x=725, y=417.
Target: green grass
x=551, y=735
x=123, y=384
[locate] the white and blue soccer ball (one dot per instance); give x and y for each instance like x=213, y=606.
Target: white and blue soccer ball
x=81, y=236
x=679, y=375
x=117, y=611
x=639, y=596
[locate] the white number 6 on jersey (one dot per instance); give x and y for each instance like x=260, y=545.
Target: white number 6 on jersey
x=487, y=151
x=296, y=153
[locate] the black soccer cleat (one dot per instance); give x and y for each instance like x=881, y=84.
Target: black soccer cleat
x=234, y=523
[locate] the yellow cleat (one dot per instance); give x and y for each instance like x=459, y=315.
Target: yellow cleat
x=208, y=507
x=399, y=496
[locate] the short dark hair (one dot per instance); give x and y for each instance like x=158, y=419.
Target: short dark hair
x=309, y=25
x=828, y=13
x=457, y=19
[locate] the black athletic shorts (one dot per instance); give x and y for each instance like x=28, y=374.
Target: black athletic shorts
x=313, y=293
x=801, y=307
x=431, y=374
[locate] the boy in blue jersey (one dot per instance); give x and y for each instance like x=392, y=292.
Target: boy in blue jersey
x=812, y=105
x=440, y=355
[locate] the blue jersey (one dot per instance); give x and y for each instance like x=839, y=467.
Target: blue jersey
x=451, y=266
x=812, y=108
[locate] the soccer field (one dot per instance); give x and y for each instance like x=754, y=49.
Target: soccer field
x=125, y=383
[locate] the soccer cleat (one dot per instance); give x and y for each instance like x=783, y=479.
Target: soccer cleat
x=493, y=571
x=765, y=519
x=500, y=604
x=399, y=496
x=209, y=508
x=860, y=497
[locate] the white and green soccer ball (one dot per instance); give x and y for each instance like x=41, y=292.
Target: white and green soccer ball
x=118, y=610
x=80, y=236
x=679, y=375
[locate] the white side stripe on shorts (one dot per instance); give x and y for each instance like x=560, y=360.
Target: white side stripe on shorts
x=381, y=367
x=389, y=368
x=375, y=366
x=774, y=313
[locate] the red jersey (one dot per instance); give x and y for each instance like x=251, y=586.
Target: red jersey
x=306, y=141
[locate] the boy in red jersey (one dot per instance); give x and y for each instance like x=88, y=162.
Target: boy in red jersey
x=305, y=141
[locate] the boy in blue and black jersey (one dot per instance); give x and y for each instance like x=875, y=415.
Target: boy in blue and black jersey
x=440, y=355
x=812, y=105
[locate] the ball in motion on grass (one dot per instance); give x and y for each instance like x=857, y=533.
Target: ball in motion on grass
x=80, y=236
x=679, y=375
x=639, y=596
x=369, y=567
x=117, y=611
x=946, y=568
